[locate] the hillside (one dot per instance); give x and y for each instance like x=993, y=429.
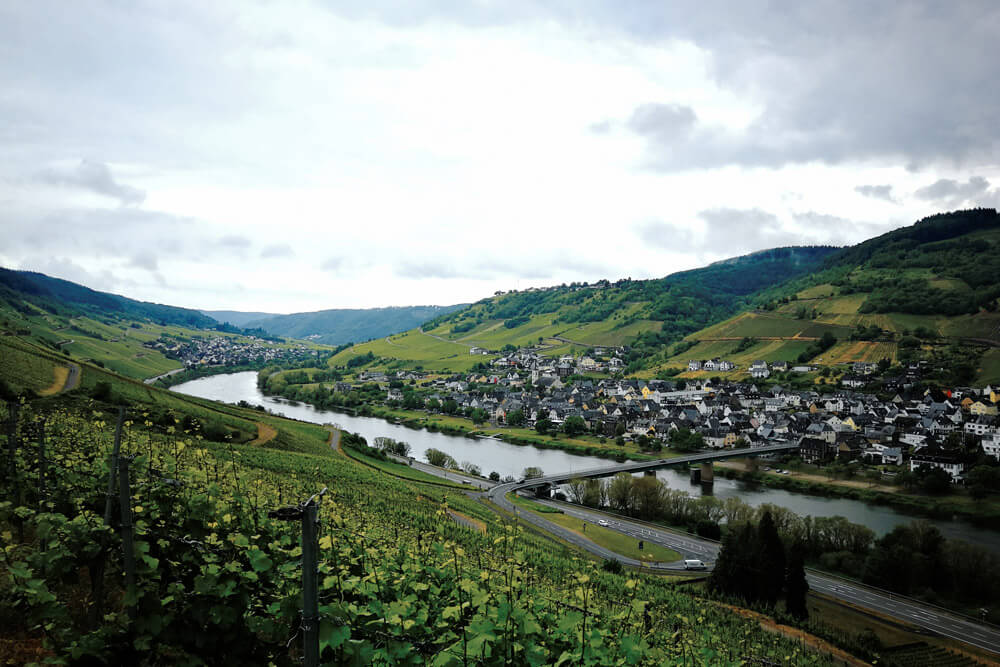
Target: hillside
x=911, y=293
x=63, y=297
x=76, y=324
x=644, y=314
x=344, y=325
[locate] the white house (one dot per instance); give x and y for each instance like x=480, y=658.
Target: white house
x=991, y=445
x=949, y=465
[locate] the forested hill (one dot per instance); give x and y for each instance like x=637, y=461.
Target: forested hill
x=946, y=264
x=342, y=325
x=63, y=297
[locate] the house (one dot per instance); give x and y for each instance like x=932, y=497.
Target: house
x=758, y=369
x=991, y=445
x=946, y=463
x=814, y=450
x=980, y=408
x=853, y=381
x=694, y=365
x=477, y=350
x=863, y=368
x=803, y=369
x=726, y=366
x=779, y=366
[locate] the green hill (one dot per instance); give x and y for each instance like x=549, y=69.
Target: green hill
x=80, y=324
x=343, y=325
x=66, y=298
x=644, y=314
x=909, y=294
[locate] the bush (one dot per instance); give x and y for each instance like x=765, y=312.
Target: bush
x=101, y=391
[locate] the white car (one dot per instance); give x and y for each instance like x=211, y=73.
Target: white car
x=693, y=564
x=602, y=522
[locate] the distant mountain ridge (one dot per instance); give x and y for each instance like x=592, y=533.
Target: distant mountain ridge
x=62, y=296
x=237, y=318
x=344, y=325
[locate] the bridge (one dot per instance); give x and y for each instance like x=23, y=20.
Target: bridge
x=704, y=458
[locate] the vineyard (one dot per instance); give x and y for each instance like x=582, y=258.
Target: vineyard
x=183, y=557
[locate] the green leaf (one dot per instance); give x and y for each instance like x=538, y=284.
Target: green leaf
x=332, y=636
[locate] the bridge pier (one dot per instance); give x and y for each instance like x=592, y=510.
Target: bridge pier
x=695, y=475
x=650, y=473
x=707, y=472
x=544, y=491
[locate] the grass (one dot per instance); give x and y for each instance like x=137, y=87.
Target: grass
x=989, y=367
x=850, y=351
x=400, y=470
x=24, y=370
x=605, y=537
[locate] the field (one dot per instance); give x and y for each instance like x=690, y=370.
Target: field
x=765, y=325
x=22, y=369
x=849, y=351
x=412, y=349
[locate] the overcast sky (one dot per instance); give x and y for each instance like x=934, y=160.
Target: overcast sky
x=288, y=156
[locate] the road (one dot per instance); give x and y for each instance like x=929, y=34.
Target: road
x=910, y=611
x=73, y=378
x=450, y=475
x=167, y=374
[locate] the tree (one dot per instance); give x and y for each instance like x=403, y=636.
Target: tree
x=796, y=585
x=620, y=492
x=494, y=476
x=574, y=426
x=543, y=425
x=515, y=418
x=933, y=480
x=471, y=469
x=647, y=496
x=983, y=480
x=478, y=416
x=532, y=472
x=577, y=489
x=772, y=560
x=440, y=459
x=449, y=407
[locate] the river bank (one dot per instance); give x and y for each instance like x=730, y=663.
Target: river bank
x=505, y=458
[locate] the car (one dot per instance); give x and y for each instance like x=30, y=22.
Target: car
x=694, y=564
x=784, y=472
x=767, y=468
x=602, y=522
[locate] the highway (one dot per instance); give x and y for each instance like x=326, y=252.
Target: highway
x=923, y=616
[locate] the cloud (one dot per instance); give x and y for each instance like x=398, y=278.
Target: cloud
x=234, y=241
x=662, y=122
x=95, y=177
x=145, y=260
x=952, y=192
x=600, y=127
x=279, y=250
x=883, y=192
x=747, y=229
x=664, y=235
x=333, y=264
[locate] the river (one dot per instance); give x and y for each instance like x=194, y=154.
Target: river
x=506, y=459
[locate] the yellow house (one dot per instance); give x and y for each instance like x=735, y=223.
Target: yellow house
x=850, y=422
x=995, y=396
x=730, y=439
x=980, y=408
x=646, y=392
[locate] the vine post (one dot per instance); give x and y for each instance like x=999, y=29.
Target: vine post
x=12, y=414
x=308, y=514
x=113, y=468
x=310, y=584
x=128, y=534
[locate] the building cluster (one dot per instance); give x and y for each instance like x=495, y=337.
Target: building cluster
x=227, y=351
x=942, y=430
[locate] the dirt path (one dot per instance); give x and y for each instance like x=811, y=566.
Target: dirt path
x=445, y=340
x=770, y=625
x=467, y=521
x=63, y=379
x=265, y=433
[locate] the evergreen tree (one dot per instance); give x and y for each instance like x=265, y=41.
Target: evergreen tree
x=796, y=585
x=771, y=561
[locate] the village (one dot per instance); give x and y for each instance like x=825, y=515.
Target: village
x=912, y=429
x=227, y=351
